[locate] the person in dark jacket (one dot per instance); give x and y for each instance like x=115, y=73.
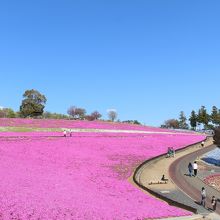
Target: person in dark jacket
x=214, y=203
x=190, y=168
x=203, y=195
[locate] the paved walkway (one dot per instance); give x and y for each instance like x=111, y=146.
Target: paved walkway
x=211, y=216
x=192, y=185
x=179, y=185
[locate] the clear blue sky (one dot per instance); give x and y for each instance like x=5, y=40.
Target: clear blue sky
x=147, y=59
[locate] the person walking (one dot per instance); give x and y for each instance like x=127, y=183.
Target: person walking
x=64, y=133
x=214, y=203
x=195, y=168
x=202, y=144
x=190, y=168
x=203, y=195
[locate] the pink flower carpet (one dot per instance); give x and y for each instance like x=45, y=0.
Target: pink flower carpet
x=53, y=123
x=47, y=176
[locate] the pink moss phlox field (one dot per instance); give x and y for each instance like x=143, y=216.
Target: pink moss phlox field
x=54, y=123
x=47, y=176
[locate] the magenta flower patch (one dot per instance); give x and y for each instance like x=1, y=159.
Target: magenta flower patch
x=47, y=176
x=54, y=123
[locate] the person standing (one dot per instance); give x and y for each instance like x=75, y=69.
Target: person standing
x=202, y=144
x=214, y=203
x=190, y=168
x=203, y=195
x=195, y=168
x=64, y=133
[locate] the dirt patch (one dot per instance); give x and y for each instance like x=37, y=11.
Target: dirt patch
x=213, y=181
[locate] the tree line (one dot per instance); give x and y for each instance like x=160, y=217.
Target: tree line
x=196, y=120
x=33, y=104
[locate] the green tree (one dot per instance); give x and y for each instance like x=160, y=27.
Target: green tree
x=50, y=115
x=10, y=113
x=7, y=113
x=33, y=103
x=215, y=116
x=136, y=122
x=182, y=121
x=203, y=117
x=193, y=120
x=219, y=117
x=216, y=136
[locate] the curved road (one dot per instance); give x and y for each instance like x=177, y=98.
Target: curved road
x=192, y=185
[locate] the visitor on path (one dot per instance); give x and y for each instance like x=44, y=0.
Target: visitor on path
x=190, y=168
x=214, y=203
x=203, y=195
x=195, y=168
x=173, y=151
x=202, y=144
x=64, y=133
x=170, y=152
x=70, y=132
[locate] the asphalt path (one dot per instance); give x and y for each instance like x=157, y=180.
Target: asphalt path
x=178, y=172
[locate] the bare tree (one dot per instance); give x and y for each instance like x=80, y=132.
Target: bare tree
x=96, y=115
x=76, y=113
x=89, y=118
x=171, y=123
x=72, y=111
x=81, y=112
x=112, y=114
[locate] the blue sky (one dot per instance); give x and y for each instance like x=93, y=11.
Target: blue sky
x=147, y=59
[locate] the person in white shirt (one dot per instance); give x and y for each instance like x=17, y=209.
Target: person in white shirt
x=195, y=168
